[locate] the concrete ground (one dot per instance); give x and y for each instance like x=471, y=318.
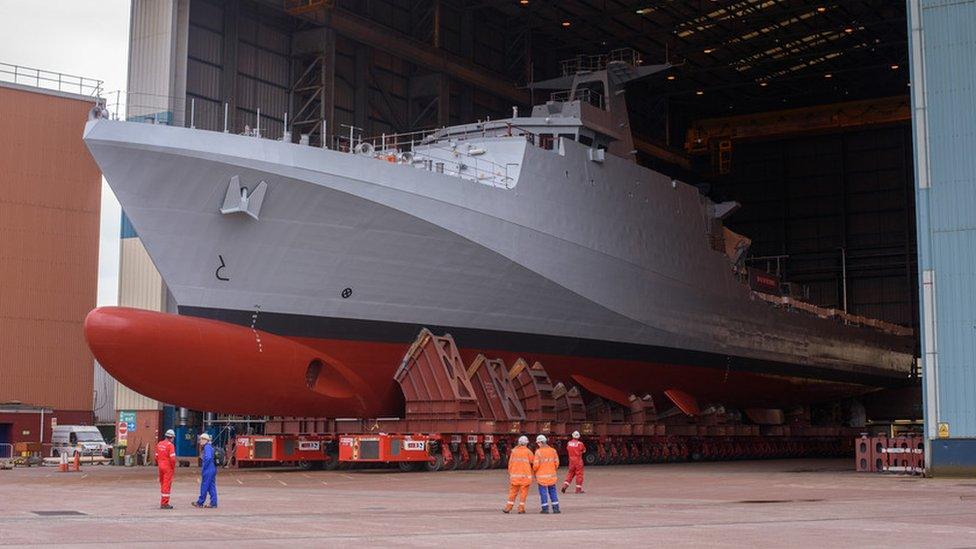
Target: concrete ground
x=795, y=503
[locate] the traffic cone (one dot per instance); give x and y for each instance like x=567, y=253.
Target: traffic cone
x=77, y=463
x=63, y=466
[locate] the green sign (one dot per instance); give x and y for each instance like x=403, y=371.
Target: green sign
x=129, y=418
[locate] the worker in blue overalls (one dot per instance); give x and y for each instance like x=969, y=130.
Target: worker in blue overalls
x=208, y=474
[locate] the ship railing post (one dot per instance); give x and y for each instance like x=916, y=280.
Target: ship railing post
x=193, y=108
x=257, y=129
x=325, y=133
x=225, y=117
x=284, y=129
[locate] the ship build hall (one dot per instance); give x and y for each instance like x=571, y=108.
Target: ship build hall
x=383, y=264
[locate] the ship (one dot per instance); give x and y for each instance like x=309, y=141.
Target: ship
x=298, y=275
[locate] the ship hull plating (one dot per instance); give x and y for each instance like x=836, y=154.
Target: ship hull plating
x=208, y=364
x=367, y=248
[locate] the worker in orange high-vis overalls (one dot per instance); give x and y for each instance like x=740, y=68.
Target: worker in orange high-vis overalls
x=545, y=464
x=519, y=475
x=575, y=449
x=166, y=462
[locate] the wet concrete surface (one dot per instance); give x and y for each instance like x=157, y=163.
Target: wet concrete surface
x=786, y=503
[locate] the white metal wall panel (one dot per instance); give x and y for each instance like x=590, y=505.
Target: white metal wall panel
x=157, y=59
x=104, y=396
x=140, y=286
x=127, y=399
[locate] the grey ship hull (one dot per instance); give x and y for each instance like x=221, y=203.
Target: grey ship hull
x=607, y=260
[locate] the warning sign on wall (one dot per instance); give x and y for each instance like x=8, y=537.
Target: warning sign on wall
x=943, y=430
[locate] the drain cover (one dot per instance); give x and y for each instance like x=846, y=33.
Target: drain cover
x=779, y=501
x=58, y=513
x=764, y=501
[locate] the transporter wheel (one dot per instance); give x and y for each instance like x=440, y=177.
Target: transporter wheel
x=486, y=463
x=460, y=463
x=332, y=463
x=590, y=459
x=453, y=464
x=407, y=466
x=472, y=459
x=435, y=463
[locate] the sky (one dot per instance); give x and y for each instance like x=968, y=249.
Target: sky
x=87, y=38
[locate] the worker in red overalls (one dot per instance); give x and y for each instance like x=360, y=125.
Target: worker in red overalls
x=575, y=448
x=166, y=461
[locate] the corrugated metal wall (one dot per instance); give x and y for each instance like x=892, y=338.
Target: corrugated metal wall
x=809, y=197
x=104, y=395
x=265, y=69
x=158, y=69
x=48, y=249
x=943, y=46
x=157, y=59
x=262, y=56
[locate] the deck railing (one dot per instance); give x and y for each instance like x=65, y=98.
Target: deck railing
x=58, y=81
x=439, y=150
x=586, y=95
x=591, y=63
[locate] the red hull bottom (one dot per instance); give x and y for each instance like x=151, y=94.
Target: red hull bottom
x=221, y=367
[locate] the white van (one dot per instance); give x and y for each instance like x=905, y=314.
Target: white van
x=65, y=438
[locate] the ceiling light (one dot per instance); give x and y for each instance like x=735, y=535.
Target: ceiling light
x=828, y=75
x=699, y=92
x=894, y=67
x=566, y=23
x=709, y=50
x=642, y=11
x=524, y=2
x=671, y=77
x=821, y=9
x=763, y=84
x=849, y=30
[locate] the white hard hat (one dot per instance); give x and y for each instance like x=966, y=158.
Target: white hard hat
x=540, y=439
x=170, y=433
x=576, y=434
x=523, y=440
x=205, y=436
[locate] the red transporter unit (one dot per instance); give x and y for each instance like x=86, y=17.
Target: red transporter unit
x=469, y=418
x=383, y=448
x=284, y=449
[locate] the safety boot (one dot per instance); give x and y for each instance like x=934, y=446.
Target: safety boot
x=563, y=489
x=579, y=490
x=507, y=509
x=521, y=510
x=165, y=506
x=544, y=511
x=555, y=509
